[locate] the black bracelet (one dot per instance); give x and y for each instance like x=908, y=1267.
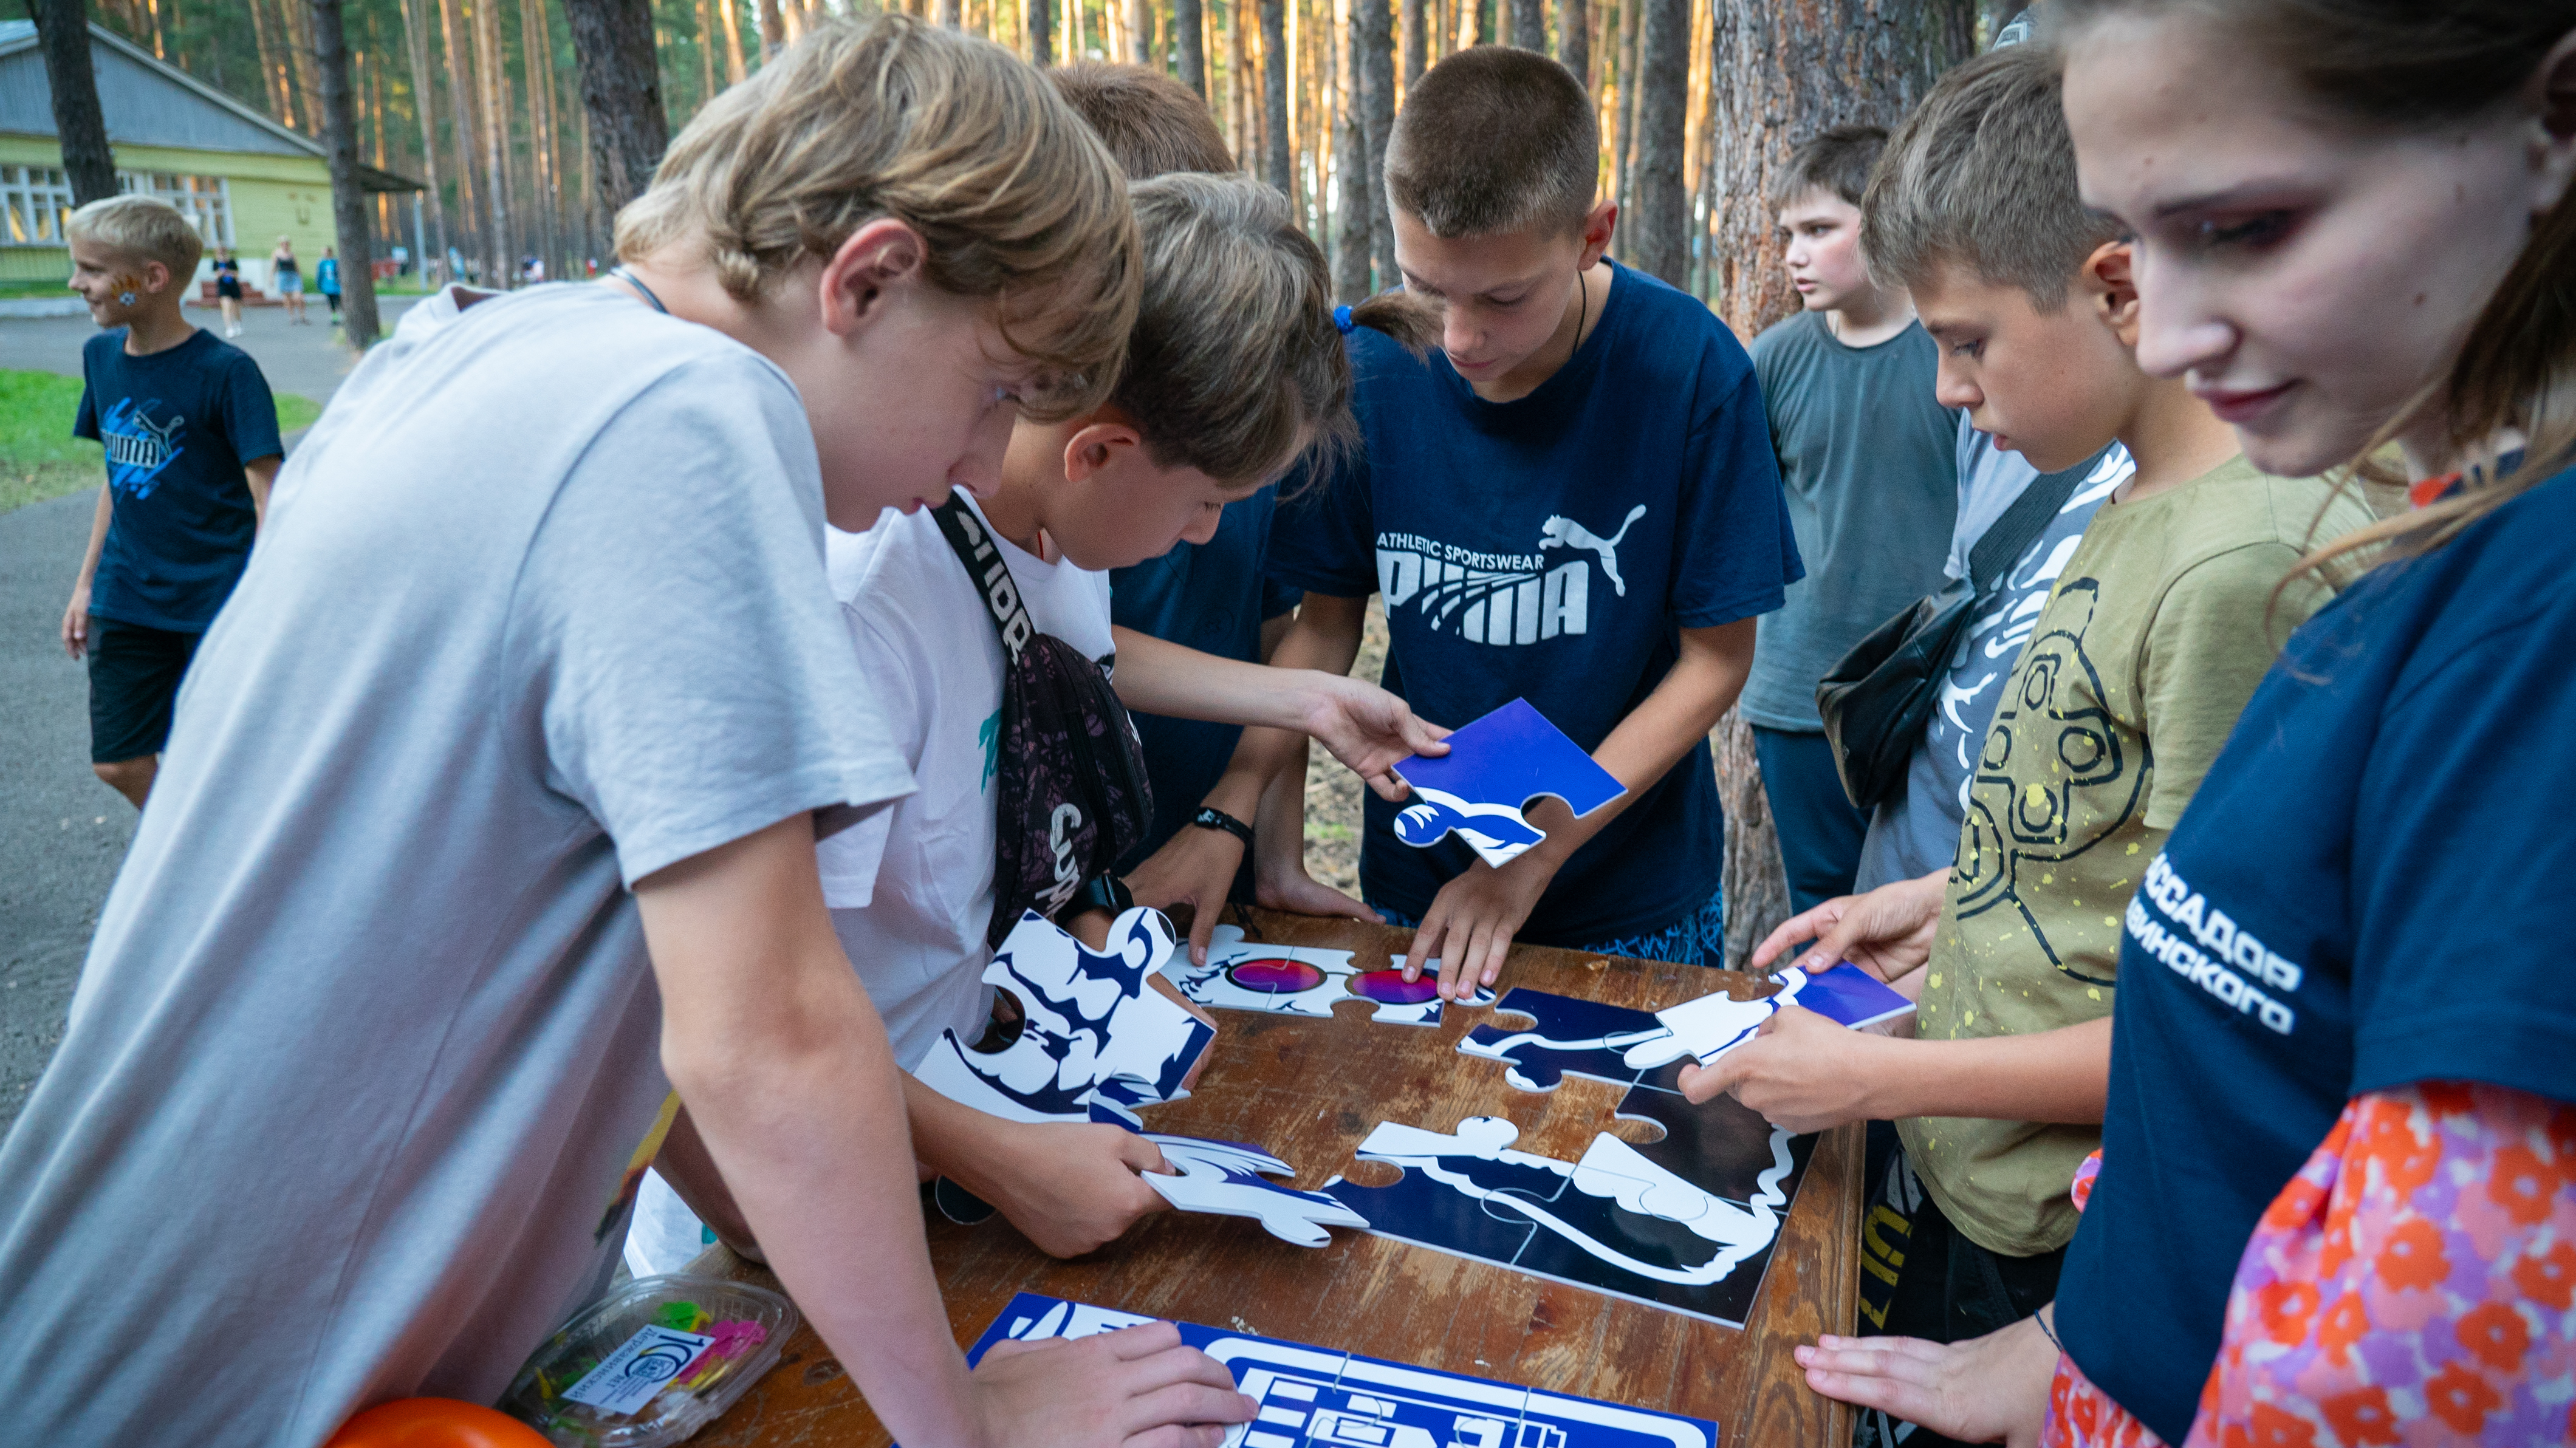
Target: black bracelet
x=1101, y=892
x=1210, y=817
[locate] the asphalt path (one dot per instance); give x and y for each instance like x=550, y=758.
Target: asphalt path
x=62, y=833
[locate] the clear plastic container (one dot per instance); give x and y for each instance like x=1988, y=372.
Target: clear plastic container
x=652, y=1362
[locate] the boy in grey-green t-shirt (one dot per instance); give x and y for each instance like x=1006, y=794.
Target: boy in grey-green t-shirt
x=1866, y=464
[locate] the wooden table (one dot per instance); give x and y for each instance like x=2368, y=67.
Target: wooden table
x=1308, y=1091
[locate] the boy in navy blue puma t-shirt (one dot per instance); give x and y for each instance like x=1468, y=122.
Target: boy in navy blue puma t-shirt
x=1573, y=501
x=191, y=436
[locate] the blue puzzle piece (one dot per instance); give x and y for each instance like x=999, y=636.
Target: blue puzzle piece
x=1567, y=1036
x=1494, y=768
x=1311, y=1397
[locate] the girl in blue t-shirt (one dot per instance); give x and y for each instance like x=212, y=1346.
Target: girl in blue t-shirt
x=2337, y=1190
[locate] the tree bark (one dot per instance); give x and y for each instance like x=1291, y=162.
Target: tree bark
x=1574, y=37
x=416, y=45
x=734, y=70
x=1417, y=42
x=1529, y=25
x=348, y=201
x=1041, y=37
x=1471, y=14
x=1374, y=21
x=622, y=94
x=536, y=44
x=498, y=243
x=1276, y=161
x=773, y=34
x=1139, y=25
x=1659, y=225
x=1781, y=71
x=1189, y=30
x=1350, y=167
x=62, y=28
x=469, y=144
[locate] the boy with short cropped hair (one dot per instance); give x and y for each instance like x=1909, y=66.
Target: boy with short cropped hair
x=1572, y=499
x=191, y=436
x=1867, y=461
x=2162, y=620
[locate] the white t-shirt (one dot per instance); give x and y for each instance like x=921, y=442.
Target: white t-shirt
x=911, y=888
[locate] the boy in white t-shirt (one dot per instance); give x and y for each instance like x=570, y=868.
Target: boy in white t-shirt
x=1235, y=368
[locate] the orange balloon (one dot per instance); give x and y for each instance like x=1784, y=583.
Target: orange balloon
x=435, y=1423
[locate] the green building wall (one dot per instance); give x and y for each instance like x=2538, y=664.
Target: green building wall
x=271, y=196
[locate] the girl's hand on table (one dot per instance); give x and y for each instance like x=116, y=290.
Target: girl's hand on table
x=1073, y=1189
x=1992, y=1389
x=1136, y=1388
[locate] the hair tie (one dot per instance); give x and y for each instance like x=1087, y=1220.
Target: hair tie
x=1342, y=320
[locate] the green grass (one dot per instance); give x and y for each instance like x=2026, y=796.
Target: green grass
x=54, y=288
x=39, y=457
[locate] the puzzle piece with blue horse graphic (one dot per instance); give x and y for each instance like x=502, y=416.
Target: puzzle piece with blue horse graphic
x=1566, y=1037
x=1494, y=768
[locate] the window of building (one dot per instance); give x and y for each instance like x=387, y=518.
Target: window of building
x=34, y=200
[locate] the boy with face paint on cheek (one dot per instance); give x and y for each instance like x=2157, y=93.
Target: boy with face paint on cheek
x=191, y=435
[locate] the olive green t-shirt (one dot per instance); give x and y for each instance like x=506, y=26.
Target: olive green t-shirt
x=2158, y=630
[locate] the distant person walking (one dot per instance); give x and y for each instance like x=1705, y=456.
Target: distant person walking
x=228, y=289
x=192, y=446
x=288, y=277
x=326, y=280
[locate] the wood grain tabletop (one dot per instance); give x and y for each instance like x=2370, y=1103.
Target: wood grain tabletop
x=1308, y=1091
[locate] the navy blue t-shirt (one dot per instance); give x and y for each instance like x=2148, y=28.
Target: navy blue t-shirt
x=1211, y=597
x=1552, y=548
x=178, y=425
x=2367, y=892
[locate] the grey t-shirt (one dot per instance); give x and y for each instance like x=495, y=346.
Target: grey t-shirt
x=1916, y=830
x=367, y=1033
x=1866, y=462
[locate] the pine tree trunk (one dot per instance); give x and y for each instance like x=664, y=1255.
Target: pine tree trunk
x=1374, y=21
x=1276, y=160
x=498, y=243
x=536, y=44
x=1782, y=70
x=1574, y=37
x=62, y=28
x=272, y=81
x=706, y=54
x=1659, y=225
x=1041, y=38
x=1189, y=28
x=734, y=70
x=469, y=144
x=1529, y=25
x=1417, y=41
x=621, y=93
x=348, y=202
x=773, y=36
x=1471, y=14
x=1350, y=168
x=308, y=77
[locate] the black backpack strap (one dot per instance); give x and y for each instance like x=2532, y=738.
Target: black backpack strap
x=973, y=543
x=2022, y=523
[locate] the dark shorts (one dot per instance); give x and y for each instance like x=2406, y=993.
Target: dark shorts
x=333, y=298
x=1922, y=1277
x=226, y=289
x=134, y=675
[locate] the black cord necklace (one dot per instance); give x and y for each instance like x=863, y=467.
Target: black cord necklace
x=619, y=273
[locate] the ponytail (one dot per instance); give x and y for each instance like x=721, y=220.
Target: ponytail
x=1408, y=320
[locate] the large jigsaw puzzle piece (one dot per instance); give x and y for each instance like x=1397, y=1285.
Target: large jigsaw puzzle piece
x=1566, y=1037
x=1088, y=1019
x=1494, y=768
x=1298, y=980
x=1709, y=1027
x=1313, y=1397
x=1620, y=1221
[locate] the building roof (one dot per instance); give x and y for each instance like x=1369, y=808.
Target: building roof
x=149, y=102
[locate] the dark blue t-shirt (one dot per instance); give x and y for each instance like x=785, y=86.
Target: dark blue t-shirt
x=2368, y=892
x=1552, y=548
x=1211, y=597
x=178, y=425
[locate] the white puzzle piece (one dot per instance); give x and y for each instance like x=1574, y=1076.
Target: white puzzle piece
x=1224, y=1178
x=1709, y=1027
x=1299, y=980
x=1090, y=1019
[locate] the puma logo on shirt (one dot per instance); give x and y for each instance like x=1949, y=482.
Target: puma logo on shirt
x=1502, y=598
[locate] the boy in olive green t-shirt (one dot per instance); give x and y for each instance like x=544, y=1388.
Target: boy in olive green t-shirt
x=2161, y=623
